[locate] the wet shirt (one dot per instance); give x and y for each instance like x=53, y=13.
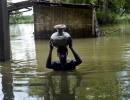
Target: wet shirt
x=70, y=65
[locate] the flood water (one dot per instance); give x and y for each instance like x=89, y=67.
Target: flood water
x=103, y=75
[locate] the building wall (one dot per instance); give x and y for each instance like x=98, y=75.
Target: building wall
x=78, y=20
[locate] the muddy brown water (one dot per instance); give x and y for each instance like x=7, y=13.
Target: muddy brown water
x=103, y=75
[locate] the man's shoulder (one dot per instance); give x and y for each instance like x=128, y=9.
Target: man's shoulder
x=70, y=62
x=70, y=65
x=55, y=62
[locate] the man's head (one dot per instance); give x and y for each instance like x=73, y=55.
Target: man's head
x=62, y=54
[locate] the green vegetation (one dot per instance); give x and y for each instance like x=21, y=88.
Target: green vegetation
x=108, y=11
x=19, y=19
x=106, y=18
x=123, y=19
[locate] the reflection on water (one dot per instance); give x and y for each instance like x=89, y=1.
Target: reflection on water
x=63, y=85
x=22, y=44
x=124, y=74
x=7, y=82
x=103, y=75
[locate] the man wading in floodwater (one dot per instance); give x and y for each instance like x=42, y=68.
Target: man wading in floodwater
x=62, y=52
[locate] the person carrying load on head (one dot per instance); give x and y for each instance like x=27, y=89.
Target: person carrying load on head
x=60, y=40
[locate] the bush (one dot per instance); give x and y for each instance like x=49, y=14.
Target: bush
x=21, y=19
x=106, y=17
x=124, y=19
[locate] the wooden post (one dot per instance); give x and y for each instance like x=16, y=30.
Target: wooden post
x=4, y=32
x=93, y=22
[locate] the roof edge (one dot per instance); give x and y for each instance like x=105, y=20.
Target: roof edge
x=65, y=4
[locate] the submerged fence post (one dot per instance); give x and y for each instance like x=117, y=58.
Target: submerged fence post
x=4, y=32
